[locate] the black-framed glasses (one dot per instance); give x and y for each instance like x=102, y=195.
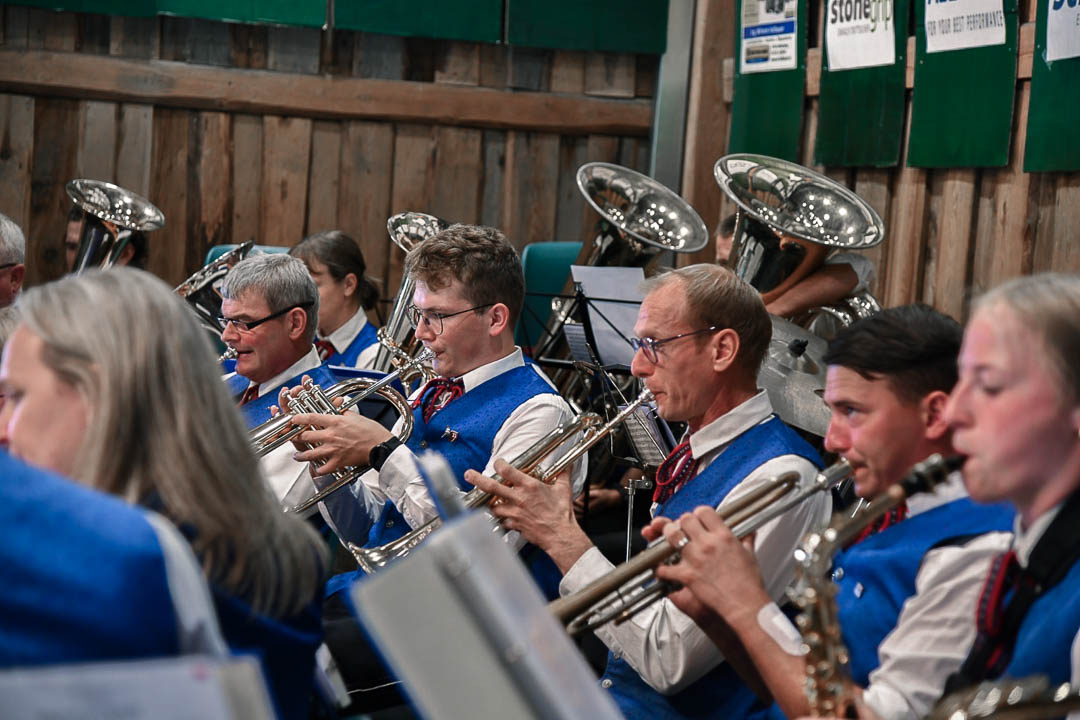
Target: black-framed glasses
x=249, y=325
x=651, y=346
x=5, y=266
x=434, y=320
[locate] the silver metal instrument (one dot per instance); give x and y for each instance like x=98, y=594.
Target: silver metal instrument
x=1030, y=698
x=201, y=291
x=112, y=215
x=632, y=587
x=591, y=426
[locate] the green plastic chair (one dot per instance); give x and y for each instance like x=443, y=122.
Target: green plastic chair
x=546, y=266
x=218, y=250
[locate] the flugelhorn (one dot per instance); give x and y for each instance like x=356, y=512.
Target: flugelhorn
x=622, y=593
x=1030, y=698
x=814, y=593
x=593, y=429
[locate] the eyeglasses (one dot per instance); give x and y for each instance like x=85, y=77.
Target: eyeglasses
x=651, y=346
x=5, y=266
x=434, y=320
x=249, y=325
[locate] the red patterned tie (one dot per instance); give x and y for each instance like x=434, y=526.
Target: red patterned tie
x=990, y=612
x=325, y=349
x=887, y=520
x=674, y=472
x=252, y=393
x=437, y=394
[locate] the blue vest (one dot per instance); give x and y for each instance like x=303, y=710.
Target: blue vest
x=257, y=411
x=82, y=573
x=475, y=417
x=1044, y=643
x=285, y=648
x=367, y=336
x=720, y=693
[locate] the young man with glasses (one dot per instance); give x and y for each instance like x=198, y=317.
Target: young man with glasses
x=701, y=336
x=486, y=403
x=269, y=312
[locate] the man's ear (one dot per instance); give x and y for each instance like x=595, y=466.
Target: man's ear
x=126, y=254
x=724, y=346
x=500, y=319
x=932, y=408
x=297, y=323
x=349, y=284
x=18, y=273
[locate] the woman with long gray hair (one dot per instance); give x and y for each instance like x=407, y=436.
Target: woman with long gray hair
x=117, y=387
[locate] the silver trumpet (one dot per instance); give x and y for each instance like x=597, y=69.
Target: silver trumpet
x=623, y=592
x=593, y=429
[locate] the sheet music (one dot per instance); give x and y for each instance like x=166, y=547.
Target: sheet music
x=612, y=322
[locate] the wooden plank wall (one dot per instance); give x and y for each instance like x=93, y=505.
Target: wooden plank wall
x=950, y=233
x=230, y=176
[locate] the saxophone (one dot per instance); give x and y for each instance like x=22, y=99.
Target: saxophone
x=828, y=677
x=1030, y=698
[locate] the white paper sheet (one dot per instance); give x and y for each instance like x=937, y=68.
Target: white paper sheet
x=961, y=24
x=860, y=33
x=768, y=35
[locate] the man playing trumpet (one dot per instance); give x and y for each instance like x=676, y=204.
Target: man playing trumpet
x=702, y=334
x=887, y=384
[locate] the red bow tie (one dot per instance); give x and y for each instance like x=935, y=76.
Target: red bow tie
x=437, y=394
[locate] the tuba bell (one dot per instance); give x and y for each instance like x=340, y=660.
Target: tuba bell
x=396, y=345
x=201, y=289
x=788, y=219
x=113, y=216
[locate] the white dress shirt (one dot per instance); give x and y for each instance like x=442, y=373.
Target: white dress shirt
x=344, y=335
x=278, y=466
x=352, y=514
x=935, y=630
x=662, y=643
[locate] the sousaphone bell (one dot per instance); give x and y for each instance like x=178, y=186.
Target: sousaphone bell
x=113, y=215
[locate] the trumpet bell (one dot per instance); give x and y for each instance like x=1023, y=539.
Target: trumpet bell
x=646, y=211
x=112, y=215
x=798, y=208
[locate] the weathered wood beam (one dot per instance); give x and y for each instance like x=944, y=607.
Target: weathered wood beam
x=813, y=64
x=200, y=87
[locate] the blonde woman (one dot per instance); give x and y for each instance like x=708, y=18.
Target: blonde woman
x=118, y=389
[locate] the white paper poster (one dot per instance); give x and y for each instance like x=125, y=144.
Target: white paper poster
x=768, y=35
x=859, y=33
x=1062, y=30
x=961, y=24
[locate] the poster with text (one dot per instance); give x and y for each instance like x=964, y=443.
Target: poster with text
x=859, y=33
x=1063, y=30
x=961, y=24
x=768, y=35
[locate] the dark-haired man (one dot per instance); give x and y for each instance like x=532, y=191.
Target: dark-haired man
x=702, y=334
x=887, y=385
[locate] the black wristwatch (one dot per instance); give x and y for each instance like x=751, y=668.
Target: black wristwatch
x=378, y=455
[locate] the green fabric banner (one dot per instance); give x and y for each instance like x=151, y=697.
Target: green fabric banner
x=962, y=108
x=861, y=111
x=1052, y=142
x=766, y=116
x=475, y=20
x=636, y=26
x=309, y=13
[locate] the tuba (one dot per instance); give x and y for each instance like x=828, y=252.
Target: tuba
x=788, y=219
x=631, y=587
x=828, y=686
x=279, y=430
x=397, y=346
x=201, y=291
x=113, y=216
x=593, y=430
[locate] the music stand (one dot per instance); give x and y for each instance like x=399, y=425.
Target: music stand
x=489, y=646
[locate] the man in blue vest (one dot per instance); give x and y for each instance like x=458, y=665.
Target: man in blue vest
x=87, y=577
x=887, y=384
x=701, y=336
x=487, y=402
x=269, y=312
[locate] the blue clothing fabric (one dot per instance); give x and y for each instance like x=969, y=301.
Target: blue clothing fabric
x=720, y=693
x=1044, y=643
x=876, y=576
x=463, y=432
x=82, y=573
x=285, y=648
x=367, y=337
